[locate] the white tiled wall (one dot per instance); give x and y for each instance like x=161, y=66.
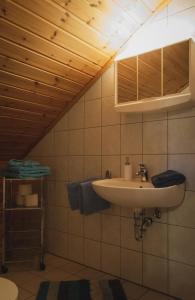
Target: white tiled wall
x=92, y=138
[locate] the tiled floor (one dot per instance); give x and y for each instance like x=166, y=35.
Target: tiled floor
x=57, y=269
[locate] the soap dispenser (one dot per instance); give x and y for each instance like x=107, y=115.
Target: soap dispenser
x=127, y=170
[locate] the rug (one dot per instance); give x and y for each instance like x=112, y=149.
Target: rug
x=82, y=290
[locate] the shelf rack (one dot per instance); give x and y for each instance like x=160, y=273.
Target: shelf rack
x=22, y=227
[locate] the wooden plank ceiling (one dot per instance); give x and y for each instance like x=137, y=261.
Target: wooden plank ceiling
x=51, y=51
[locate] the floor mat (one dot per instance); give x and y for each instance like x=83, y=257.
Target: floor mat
x=81, y=290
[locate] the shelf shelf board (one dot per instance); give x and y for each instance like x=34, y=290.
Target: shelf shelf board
x=23, y=208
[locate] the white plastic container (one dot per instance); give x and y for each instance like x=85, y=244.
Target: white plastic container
x=127, y=170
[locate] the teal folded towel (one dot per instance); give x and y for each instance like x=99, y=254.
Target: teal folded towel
x=24, y=169
x=17, y=163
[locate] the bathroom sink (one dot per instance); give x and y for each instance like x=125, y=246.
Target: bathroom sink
x=137, y=194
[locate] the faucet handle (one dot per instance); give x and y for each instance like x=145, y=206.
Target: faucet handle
x=108, y=174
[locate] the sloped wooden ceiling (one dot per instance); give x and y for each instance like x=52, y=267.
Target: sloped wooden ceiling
x=50, y=53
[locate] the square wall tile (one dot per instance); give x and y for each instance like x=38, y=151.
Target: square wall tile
x=154, y=116
x=183, y=215
x=61, y=142
x=109, y=115
x=93, y=113
x=45, y=147
x=155, y=240
x=128, y=118
x=92, y=254
x=61, y=168
x=113, y=210
x=155, y=273
x=92, y=227
x=181, y=135
x=131, y=265
x=76, y=142
x=131, y=138
x=92, y=166
x=155, y=137
x=76, y=248
x=93, y=141
x=182, y=112
x=155, y=164
x=57, y=243
x=51, y=162
x=75, y=223
x=62, y=124
x=61, y=196
x=127, y=235
x=111, y=229
x=184, y=163
x=76, y=115
x=111, y=140
x=182, y=244
x=50, y=193
x=108, y=87
x=94, y=92
x=182, y=282
x=76, y=168
x=111, y=163
x=57, y=218
x=111, y=259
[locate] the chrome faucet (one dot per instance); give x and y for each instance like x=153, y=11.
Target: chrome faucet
x=142, y=172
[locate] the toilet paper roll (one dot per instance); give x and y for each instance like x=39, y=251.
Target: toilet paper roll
x=31, y=200
x=25, y=189
x=19, y=200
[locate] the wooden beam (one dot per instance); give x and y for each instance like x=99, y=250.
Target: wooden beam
x=8, y=90
x=33, y=86
x=32, y=23
x=31, y=41
x=13, y=66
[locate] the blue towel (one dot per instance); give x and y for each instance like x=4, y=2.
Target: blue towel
x=168, y=178
x=74, y=194
x=82, y=196
x=91, y=201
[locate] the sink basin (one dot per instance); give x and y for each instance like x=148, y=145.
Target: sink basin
x=137, y=194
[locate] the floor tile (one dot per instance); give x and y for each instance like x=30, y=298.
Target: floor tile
x=133, y=291
x=155, y=296
x=57, y=269
x=71, y=267
x=24, y=295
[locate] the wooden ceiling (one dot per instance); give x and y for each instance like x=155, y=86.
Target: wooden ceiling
x=51, y=51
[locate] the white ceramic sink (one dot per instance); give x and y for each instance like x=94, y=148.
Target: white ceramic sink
x=137, y=194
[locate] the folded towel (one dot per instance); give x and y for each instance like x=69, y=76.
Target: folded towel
x=15, y=162
x=167, y=178
x=34, y=169
x=91, y=202
x=24, y=169
x=82, y=196
x=23, y=176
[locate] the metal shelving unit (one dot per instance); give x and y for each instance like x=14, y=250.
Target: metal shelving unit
x=23, y=227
